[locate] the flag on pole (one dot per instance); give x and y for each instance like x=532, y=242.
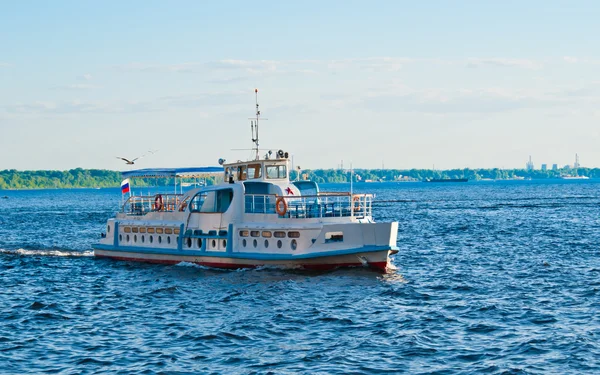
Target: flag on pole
x=125, y=186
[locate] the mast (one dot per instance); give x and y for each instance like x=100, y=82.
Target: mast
x=254, y=128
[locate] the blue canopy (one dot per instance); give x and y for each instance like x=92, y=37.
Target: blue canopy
x=173, y=172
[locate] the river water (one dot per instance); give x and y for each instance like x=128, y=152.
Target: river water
x=492, y=277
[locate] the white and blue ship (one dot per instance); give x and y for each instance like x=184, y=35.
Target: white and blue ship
x=255, y=217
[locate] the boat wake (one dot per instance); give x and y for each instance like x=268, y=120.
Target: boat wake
x=49, y=253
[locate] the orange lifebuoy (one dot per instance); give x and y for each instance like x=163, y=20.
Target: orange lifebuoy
x=158, y=203
x=356, y=203
x=281, y=209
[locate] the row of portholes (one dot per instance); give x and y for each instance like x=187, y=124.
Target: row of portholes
x=268, y=234
x=190, y=243
x=158, y=230
x=143, y=238
x=293, y=244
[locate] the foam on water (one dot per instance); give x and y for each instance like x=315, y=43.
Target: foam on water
x=48, y=253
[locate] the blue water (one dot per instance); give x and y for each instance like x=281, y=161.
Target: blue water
x=492, y=277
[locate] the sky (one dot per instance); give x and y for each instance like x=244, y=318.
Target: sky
x=398, y=84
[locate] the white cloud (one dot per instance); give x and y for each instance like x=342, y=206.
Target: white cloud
x=504, y=62
x=85, y=77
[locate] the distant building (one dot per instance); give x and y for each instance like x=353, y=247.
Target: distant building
x=576, y=165
x=544, y=167
x=555, y=167
x=529, y=166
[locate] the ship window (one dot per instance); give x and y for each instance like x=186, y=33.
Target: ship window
x=168, y=239
x=150, y=230
x=266, y=234
x=120, y=237
x=108, y=229
x=241, y=172
x=254, y=171
x=224, y=243
x=279, y=234
x=244, y=233
x=159, y=239
x=168, y=230
x=127, y=238
x=212, y=201
x=334, y=236
x=255, y=233
x=159, y=230
x=176, y=230
x=255, y=243
x=266, y=244
x=151, y=239
x=244, y=242
x=142, y=230
x=294, y=234
x=199, y=243
x=294, y=245
x=276, y=171
x=214, y=244
x=279, y=244
x=189, y=242
x=127, y=230
x=134, y=229
x=143, y=239
x=135, y=238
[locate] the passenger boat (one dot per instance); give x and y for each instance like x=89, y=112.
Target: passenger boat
x=255, y=217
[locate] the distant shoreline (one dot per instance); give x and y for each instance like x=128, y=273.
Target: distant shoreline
x=100, y=178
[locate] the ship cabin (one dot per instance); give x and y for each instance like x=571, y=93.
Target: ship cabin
x=251, y=191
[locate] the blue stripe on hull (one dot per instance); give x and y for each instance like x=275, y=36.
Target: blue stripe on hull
x=239, y=255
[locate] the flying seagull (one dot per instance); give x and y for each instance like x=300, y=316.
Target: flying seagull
x=130, y=162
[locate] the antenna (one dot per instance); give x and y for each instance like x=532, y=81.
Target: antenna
x=254, y=128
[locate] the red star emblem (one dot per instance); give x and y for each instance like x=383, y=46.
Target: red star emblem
x=289, y=191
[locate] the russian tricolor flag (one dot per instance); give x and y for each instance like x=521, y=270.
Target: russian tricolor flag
x=125, y=186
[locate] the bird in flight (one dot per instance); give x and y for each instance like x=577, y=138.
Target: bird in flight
x=132, y=161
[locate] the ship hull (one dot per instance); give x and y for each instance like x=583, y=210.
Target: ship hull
x=376, y=259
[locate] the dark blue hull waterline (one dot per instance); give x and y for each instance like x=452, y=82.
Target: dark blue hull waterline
x=492, y=277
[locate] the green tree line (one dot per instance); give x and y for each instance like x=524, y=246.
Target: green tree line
x=93, y=178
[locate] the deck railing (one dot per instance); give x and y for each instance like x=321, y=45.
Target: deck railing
x=310, y=206
x=141, y=205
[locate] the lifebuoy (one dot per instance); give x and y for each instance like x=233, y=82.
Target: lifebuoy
x=158, y=202
x=356, y=203
x=281, y=209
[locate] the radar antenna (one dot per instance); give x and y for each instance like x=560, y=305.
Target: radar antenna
x=254, y=128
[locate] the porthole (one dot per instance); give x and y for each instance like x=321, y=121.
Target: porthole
x=143, y=240
x=168, y=239
x=127, y=238
x=294, y=244
x=159, y=230
x=150, y=230
x=142, y=229
x=266, y=244
x=214, y=244
x=120, y=237
x=134, y=229
x=279, y=244
x=189, y=242
x=135, y=238
x=244, y=243
x=199, y=243
x=266, y=234
x=255, y=233
x=244, y=233
x=159, y=239
x=293, y=234
x=279, y=234
x=151, y=239
x=168, y=230
x=127, y=230
x=255, y=243
x=108, y=229
x=224, y=243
